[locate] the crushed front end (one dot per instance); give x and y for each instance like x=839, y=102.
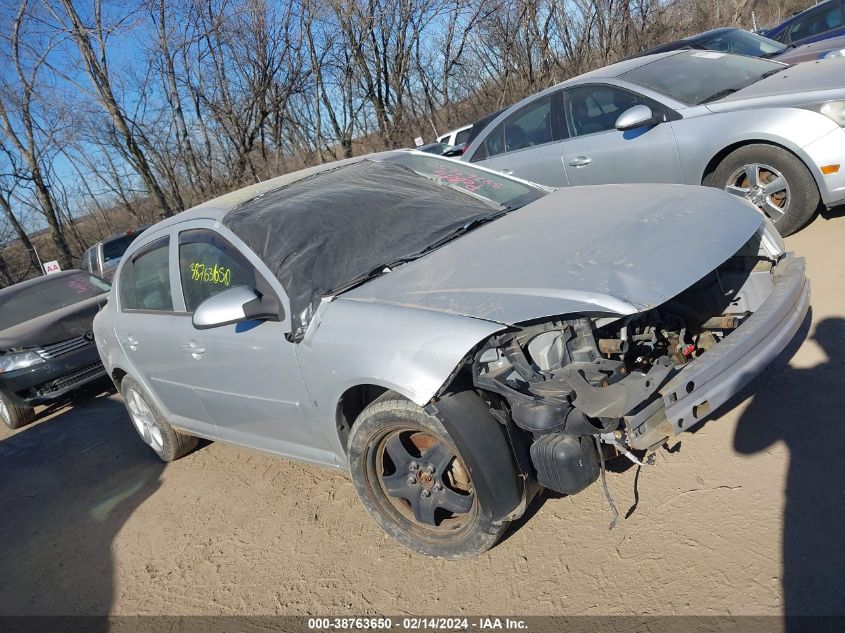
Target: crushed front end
x=631, y=382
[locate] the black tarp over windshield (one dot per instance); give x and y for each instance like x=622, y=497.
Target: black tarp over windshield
x=321, y=233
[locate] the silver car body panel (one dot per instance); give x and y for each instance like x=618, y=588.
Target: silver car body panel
x=578, y=250
x=769, y=111
x=602, y=250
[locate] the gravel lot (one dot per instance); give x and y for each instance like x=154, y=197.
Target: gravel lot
x=745, y=516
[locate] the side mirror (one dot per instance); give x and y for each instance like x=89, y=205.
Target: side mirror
x=235, y=305
x=635, y=117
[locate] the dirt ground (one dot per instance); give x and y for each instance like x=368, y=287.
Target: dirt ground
x=744, y=516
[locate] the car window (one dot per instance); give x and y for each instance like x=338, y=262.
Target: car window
x=529, y=126
x=145, y=281
x=591, y=109
x=24, y=302
x=695, y=77
x=115, y=248
x=208, y=265
x=815, y=23
x=743, y=43
x=462, y=136
x=88, y=260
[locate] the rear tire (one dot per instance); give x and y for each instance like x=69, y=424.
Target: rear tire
x=772, y=178
x=155, y=431
x=437, y=514
x=15, y=416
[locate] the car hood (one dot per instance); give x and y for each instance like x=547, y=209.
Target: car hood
x=610, y=249
x=53, y=327
x=809, y=52
x=807, y=82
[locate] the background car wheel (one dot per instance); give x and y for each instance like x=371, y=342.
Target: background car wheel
x=413, y=481
x=773, y=179
x=13, y=415
x=156, y=432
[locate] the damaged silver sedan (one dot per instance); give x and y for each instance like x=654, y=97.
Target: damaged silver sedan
x=454, y=338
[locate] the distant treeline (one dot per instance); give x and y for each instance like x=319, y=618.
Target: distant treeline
x=116, y=113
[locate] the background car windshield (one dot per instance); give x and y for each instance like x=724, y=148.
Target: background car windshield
x=695, y=77
x=500, y=190
x=743, y=43
x=53, y=293
x=114, y=249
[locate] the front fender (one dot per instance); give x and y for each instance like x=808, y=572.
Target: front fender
x=407, y=350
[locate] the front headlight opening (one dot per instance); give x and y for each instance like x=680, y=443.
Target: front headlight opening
x=834, y=110
x=839, y=52
x=11, y=362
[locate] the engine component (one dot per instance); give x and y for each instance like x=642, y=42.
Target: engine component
x=564, y=463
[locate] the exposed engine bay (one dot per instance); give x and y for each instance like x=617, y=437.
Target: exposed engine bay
x=575, y=384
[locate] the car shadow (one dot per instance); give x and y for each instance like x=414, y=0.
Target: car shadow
x=69, y=483
x=802, y=407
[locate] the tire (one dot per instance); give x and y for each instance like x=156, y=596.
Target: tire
x=15, y=416
x=152, y=427
x=789, y=207
x=437, y=514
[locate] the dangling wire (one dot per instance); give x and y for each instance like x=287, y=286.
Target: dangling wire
x=604, y=485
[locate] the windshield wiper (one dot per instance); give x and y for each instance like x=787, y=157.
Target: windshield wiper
x=718, y=95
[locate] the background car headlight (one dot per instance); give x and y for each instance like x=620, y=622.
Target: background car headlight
x=11, y=362
x=839, y=52
x=834, y=110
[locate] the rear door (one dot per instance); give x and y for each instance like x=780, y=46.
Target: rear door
x=597, y=153
x=245, y=375
x=146, y=328
x=527, y=143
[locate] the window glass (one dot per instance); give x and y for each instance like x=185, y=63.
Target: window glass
x=114, y=249
x=529, y=126
x=696, y=77
x=462, y=136
x=145, y=282
x=591, y=109
x=815, y=23
x=88, y=260
x=743, y=43
x=23, y=302
x=208, y=265
x=480, y=183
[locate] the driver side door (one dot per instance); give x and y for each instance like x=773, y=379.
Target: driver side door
x=246, y=375
x=597, y=153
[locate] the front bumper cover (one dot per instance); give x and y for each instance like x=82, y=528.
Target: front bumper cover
x=709, y=381
x=56, y=377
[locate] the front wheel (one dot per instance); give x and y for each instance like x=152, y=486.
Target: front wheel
x=15, y=416
x=414, y=482
x=773, y=179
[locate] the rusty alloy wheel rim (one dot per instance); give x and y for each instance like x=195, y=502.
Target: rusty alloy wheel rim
x=763, y=185
x=422, y=479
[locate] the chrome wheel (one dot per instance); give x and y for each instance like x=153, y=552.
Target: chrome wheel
x=144, y=420
x=763, y=185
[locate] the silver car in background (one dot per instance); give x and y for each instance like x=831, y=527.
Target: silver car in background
x=452, y=337
x=759, y=129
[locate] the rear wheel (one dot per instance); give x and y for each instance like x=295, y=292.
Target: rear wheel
x=773, y=179
x=414, y=482
x=13, y=415
x=156, y=432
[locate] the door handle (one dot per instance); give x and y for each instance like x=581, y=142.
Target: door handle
x=580, y=161
x=193, y=349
